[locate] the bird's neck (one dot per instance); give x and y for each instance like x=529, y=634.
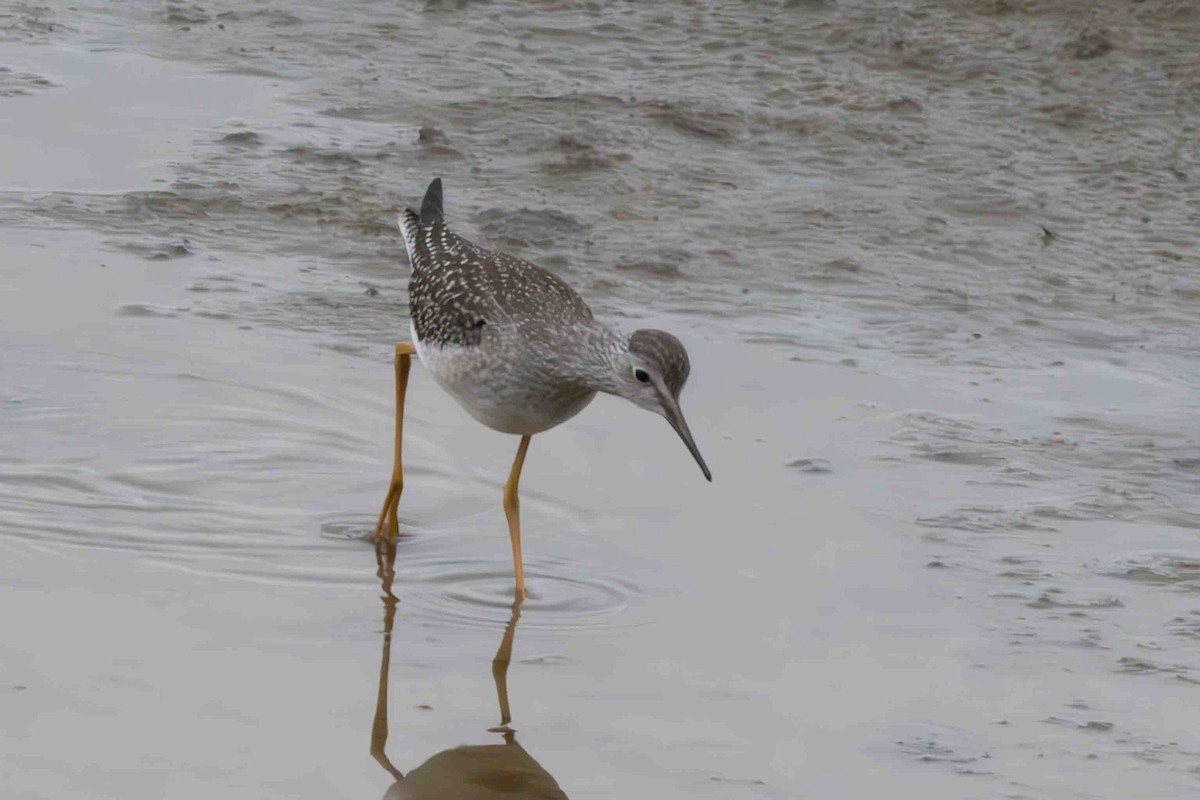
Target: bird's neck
x=599, y=352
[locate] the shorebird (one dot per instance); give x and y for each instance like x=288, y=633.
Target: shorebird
x=519, y=349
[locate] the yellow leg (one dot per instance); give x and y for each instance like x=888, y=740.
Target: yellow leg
x=387, y=516
x=512, y=510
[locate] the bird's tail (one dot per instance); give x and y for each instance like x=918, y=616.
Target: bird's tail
x=431, y=206
x=413, y=225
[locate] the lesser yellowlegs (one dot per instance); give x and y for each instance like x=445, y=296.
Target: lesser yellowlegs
x=518, y=349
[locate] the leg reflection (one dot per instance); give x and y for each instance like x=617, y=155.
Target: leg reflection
x=385, y=557
x=500, y=671
x=471, y=772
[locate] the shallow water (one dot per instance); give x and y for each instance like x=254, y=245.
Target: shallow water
x=936, y=266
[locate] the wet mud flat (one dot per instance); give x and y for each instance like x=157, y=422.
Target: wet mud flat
x=945, y=379
x=784, y=627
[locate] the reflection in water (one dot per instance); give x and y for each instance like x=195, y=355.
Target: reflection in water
x=478, y=772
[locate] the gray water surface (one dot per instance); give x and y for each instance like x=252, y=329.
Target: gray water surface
x=937, y=267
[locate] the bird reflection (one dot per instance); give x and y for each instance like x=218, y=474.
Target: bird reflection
x=470, y=772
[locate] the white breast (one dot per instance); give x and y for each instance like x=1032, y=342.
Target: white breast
x=497, y=395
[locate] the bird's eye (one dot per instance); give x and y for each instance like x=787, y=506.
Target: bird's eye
x=641, y=375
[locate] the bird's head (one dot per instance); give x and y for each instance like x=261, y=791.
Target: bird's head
x=652, y=375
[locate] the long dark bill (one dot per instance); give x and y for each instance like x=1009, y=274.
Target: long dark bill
x=675, y=417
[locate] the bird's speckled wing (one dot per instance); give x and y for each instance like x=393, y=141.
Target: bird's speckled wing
x=457, y=289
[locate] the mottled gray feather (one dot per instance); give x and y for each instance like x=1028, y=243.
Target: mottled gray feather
x=457, y=289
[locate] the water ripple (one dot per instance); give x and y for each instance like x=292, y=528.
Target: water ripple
x=473, y=593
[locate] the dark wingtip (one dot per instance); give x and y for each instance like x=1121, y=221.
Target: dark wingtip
x=431, y=206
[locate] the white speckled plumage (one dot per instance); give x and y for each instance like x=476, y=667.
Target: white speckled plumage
x=516, y=346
